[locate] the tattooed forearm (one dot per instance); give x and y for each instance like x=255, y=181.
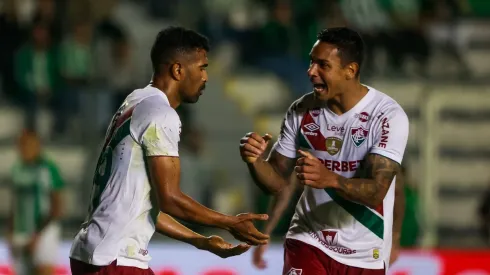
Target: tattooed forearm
x=371, y=189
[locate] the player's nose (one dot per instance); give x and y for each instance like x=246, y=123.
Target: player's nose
x=312, y=71
x=204, y=76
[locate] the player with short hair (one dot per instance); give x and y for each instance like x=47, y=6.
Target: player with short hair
x=345, y=142
x=136, y=183
x=34, y=231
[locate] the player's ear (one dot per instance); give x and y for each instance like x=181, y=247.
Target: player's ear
x=351, y=70
x=176, y=71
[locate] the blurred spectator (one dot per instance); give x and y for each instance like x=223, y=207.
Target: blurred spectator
x=37, y=73
x=196, y=181
x=411, y=222
x=121, y=77
x=76, y=65
x=12, y=36
x=484, y=215
x=372, y=19
x=410, y=20
x=34, y=231
x=394, y=25
x=48, y=12
x=280, y=49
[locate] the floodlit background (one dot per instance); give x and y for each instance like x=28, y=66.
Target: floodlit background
x=432, y=56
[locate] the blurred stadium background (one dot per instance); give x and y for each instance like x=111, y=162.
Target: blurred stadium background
x=432, y=56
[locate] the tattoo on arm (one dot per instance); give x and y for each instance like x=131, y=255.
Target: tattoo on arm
x=371, y=188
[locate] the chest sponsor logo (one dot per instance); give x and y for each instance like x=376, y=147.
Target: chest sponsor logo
x=363, y=117
x=338, y=130
x=295, y=271
x=341, y=166
x=333, y=145
x=358, y=135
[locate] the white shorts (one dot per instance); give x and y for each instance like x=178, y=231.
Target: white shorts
x=46, y=251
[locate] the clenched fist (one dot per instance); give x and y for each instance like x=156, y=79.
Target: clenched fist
x=253, y=146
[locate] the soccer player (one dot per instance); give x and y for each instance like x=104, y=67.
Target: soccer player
x=34, y=231
x=345, y=142
x=136, y=182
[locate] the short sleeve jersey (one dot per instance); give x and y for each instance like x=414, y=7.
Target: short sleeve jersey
x=121, y=218
x=350, y=233
x=32, y=185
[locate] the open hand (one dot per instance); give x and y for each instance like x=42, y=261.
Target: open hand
x=223, y=249
x=244, y=230
x=252, y=146
x=310, y=171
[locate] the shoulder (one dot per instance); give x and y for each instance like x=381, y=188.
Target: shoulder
x=49, y=164
x=154, y=108
x=303, y=104
x=388, y=107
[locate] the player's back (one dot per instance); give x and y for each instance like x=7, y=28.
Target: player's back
x=120, y=221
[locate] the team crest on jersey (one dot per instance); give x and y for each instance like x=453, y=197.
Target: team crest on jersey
x=295, y=271
x=376, y=253
x=333, y=145
x=358, y=135
x=330, y=237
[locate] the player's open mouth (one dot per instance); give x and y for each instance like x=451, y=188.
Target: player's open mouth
x=319, y=88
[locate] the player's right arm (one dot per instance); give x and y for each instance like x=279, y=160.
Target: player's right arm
x=168, y=226
x=159, y=139
x=271, y=174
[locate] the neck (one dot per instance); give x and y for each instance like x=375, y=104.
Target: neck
x=346, y=100
x=169, y=88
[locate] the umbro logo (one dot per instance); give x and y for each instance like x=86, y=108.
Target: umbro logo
x=311, y=127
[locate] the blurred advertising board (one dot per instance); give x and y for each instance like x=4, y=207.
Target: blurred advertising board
x=176, y=259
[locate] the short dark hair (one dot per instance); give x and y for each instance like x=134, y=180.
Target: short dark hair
x=173, y=41
x=348, y=42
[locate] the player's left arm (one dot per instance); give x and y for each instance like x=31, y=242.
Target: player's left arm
x=371, y=190
x=379, y=168
x=57, y=185
x=168, y=226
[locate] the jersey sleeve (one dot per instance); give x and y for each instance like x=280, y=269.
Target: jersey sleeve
x=157, y=130
x=391, y=135
x=56, y=180
x=286, y=143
